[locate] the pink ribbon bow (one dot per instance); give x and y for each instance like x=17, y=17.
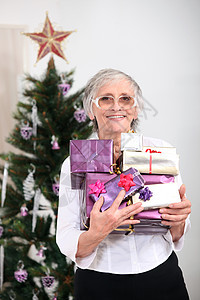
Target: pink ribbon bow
x=97, y=188
x=126, y=181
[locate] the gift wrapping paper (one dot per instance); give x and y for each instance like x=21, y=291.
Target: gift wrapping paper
x=91, y=155
x=163, y=195
x=155, y=178
x=77, y=181
x=151, y=163
x=91, y=178
x=148, y=214
x=131, y=141
x=146, y=227
x=112, y=188
x=169, y=150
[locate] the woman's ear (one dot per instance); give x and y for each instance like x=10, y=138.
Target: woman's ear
x=135, y=114
x=91, y=116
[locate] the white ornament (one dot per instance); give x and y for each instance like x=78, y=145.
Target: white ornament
x=35, y=297
x=12, y=295
x=34, y=118
x=1, y=266
x=28, y=185
x=3, y=197
x=5, y=178
x=35, y=208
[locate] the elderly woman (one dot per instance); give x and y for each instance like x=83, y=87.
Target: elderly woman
x=119, y=266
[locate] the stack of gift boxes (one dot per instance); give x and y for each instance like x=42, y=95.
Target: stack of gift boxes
x=146, y=174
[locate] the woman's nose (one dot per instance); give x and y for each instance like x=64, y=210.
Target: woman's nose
x=116, y=105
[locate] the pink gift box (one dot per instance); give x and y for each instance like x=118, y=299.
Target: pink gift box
x=91, y=156
x=148, y=214
x=156, y=179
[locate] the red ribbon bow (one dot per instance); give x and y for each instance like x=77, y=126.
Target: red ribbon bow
x=126, y=181
x=150, y=159
x=152, y=151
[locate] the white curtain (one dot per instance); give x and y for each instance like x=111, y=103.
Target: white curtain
x=11, y=68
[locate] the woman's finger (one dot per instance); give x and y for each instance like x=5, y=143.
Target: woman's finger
x=174, y=218
x=183, y=204
x=129, y=222
x=116, y=203
x=182, y=191
x=172, y=211
x=98, y=204
x=172, y=224
x=131, y=210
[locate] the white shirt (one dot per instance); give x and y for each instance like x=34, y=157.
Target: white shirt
x=117, y=253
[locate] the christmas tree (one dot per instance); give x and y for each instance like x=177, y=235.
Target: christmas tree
x=47, y=119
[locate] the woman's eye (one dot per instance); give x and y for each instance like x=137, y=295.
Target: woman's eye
x=105, y=98
x=125, y=98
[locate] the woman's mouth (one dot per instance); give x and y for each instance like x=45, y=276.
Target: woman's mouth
x=116, y=117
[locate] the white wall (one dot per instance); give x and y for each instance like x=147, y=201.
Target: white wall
x=155, y=41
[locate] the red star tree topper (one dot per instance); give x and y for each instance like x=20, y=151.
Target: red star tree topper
x=49, y=40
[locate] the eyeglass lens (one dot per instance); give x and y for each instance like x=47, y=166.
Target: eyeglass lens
x=126, y=102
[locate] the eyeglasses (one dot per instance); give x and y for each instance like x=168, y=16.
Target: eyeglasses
x=107, y=102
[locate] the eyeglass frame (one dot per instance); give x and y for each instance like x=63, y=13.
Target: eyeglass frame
x=97, y=99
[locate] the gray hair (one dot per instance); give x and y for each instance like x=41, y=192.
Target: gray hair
x=102, y=77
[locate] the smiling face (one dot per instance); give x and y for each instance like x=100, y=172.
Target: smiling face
x=114, y=120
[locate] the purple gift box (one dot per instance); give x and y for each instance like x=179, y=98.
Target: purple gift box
x=78, y=181
x=156, y=179
x=148, y=214
x=91, y=156
x=112, y=189
x=91, y=178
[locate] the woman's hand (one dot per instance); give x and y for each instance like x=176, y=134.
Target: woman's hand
x=176, y=215
x=102, y=223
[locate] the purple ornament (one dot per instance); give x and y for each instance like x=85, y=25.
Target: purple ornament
x=55, y=146
x=64, y=88
x=54, y=143
x=145, y=194
x=55, y=187
x=24, y=210
x=1, y=231
x=26, y=131
x=80, y=115
x=48, y=281
x=21, y=275
x=40, y=253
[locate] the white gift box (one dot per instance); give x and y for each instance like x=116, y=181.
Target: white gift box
x=163, y=195
x=131, y=141
x=165, y=161
x=169, y=150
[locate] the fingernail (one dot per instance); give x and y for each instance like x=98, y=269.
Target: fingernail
x=161, y=210
x=171, y=205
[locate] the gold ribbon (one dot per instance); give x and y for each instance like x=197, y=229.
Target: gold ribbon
x=116, y=169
